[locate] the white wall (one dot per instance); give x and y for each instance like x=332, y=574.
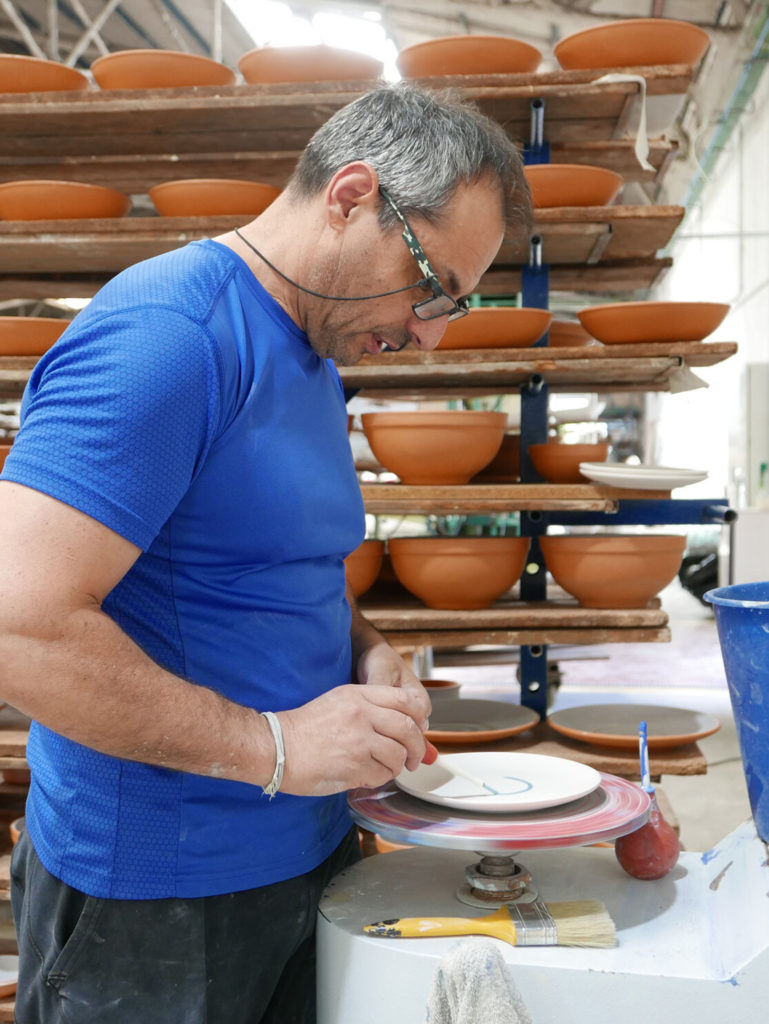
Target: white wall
x=721, y=254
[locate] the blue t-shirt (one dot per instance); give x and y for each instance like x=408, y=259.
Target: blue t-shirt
x=187, y=412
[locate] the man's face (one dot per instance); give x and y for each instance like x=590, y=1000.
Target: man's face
x=460, y=248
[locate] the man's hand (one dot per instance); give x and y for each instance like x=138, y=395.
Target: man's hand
x=352, y=736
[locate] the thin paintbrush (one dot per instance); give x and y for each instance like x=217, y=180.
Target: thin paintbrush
x=433, y=757
x=574, y=923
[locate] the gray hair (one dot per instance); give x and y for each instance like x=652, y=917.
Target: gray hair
x=423, y=145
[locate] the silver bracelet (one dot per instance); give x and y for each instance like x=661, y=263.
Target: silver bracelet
x=280, y=753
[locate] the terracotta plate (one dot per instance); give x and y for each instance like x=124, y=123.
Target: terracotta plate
x=616, y=725
x=478, y=721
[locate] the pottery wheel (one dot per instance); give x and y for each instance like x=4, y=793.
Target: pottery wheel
x=615, y=808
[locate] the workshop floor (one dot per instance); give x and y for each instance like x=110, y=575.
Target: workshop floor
x=688, y=672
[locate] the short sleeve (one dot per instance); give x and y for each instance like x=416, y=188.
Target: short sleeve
x=118, y=416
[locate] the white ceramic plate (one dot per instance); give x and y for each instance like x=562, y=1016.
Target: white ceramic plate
x=643, y=478
x=524, y=782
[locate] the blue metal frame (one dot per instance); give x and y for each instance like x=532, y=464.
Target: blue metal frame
x=654, y=512
x=535, y=292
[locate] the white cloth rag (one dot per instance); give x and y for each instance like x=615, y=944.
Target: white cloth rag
x=474, y=985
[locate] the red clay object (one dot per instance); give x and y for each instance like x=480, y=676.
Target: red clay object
x=651, y=851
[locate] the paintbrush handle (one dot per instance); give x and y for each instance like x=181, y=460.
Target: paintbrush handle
x=498, y=925
x=453, y=770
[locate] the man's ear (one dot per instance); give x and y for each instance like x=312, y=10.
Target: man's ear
x=353, y=189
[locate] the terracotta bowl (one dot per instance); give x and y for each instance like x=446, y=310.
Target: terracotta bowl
x=505, y=467
x=458, y=572
x=307, y=64
x=29, y=335
x=441, y=689
x=633, y=42
x=442, y=447
x=614, y=571
x=497, y=327
x=15, y=828
x=618, y=323
x=158, y=69
x=572, y=185
x=4, y=449
x=59, y=200
x=467, y=55
x=212, y=197
x=17, y=776
x=568, y=334
x=559, y=463
x=19, y=73
x=363, y=564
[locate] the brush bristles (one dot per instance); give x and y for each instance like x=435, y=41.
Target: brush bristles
x=583, y=923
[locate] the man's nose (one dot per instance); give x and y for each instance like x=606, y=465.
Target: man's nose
x=428, y=333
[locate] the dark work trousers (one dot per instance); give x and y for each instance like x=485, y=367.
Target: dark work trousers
x=244, y=958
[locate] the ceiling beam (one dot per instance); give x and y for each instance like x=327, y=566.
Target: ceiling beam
x=91, y=32
x=21, y=27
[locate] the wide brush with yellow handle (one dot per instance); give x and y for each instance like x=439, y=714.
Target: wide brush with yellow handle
x=575, y=923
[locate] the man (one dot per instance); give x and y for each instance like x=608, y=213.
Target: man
x=174, y=517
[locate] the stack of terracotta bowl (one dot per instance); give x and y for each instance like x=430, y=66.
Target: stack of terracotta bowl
x=613, y=571
x=442, y=447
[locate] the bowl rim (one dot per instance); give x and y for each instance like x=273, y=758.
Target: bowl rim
x=464, y=39
x=621, y=24
x=193, y=58
x=654, y=304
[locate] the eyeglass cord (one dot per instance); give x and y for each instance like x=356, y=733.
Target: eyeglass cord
x=320, y=295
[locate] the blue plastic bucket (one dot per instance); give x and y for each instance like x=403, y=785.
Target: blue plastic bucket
x=742, y=618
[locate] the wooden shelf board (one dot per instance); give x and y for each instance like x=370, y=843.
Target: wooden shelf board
x=239, y=118
x=524, y=637
x=646, y=367
x=469, y=498
x=133, y=174
x=625, y=276
x=612, y=367
x=569, y=235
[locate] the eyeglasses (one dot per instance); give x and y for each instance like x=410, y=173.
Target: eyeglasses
x=440, y=302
